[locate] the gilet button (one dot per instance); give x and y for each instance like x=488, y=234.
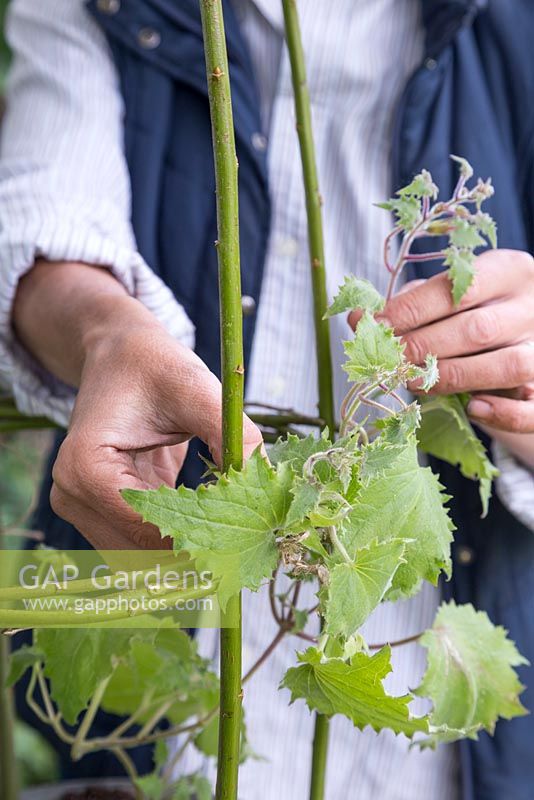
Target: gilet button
x=465, y=555
x=248, y=305
x=149, y=38
x=259, y=142
x=109, y=6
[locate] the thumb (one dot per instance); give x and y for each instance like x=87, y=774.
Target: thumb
x=199, y=411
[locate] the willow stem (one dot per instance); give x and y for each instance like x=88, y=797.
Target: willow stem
x=232, y=367
x=320, y=755
x=8, y=767
x=320, y=302
x=23, y=619
x=314, y=211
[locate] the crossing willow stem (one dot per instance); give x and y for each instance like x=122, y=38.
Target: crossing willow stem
x=8, y=767
x=232, y=368
x=320, y=301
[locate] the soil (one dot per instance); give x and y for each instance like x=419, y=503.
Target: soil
x=98, y=793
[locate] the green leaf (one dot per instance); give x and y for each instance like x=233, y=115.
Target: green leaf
x=161, y=754
x=305, y=500
x=464, y=234
x=192, y=787
x=355, y=293
x=407, y=211
x=374, y=352
x=76, y=661
x=152, y=786
x=470, y=677
x=295, y=451
x=165, y=669
x=461, y=265
x=396, y=429
x=377, y=457
x=229, y=527
x=421, y=186
x=355, y=590
x=20, y=661
x=429, y=373
x=404, y=501
x=352, y=689
x=487, y=226
x=447, y=433
x=207, y=741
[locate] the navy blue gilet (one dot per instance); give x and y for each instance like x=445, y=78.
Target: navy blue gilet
x=472, y=96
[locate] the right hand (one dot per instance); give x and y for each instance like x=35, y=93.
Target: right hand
x=142, y=396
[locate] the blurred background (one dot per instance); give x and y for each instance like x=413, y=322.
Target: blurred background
x=21, y=461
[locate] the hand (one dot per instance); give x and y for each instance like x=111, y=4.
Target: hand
x=142, y=396
x=485, y=345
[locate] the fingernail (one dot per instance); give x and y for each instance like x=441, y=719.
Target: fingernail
x=480, y=409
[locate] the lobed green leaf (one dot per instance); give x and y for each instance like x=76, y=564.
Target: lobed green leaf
x=373, y=353
x=355, y=590
x=353, y=689
x=228, y=527
x=470, y=676
x=355, y=293
x=461, y=271
x=403, y=501
x=447, y=433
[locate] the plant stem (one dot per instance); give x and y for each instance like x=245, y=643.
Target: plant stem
x=282, y=420
x=397, y=642
x=320, y=754
x=338, y=545
x=8, y=767
x=129, y=768
x=22, y=619
x=266, y=653
x=314, y=211
x=320, y=302
x=88, y=719
x=232, y=367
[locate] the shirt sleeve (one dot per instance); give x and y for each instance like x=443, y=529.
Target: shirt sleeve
x=515, y=485
x=64, y=182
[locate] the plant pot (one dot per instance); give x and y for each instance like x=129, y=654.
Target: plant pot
x=105, y=789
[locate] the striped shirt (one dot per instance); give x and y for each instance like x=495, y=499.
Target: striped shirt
x=65, y=195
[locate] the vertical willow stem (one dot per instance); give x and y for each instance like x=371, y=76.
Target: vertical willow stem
x=231, y=362
x=319, y=758
x=8, y=768
x=320, y=301
x=314, y=211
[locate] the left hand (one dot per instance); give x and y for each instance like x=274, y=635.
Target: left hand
x=485, y=345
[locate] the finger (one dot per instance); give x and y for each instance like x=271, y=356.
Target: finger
x=502, y=413
x=484, y=328
x=500, y=369
x=356, y=314
x=86, y=493
x=199, y=409
x=102, y=532
x=498, y=274
x=160, y=466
